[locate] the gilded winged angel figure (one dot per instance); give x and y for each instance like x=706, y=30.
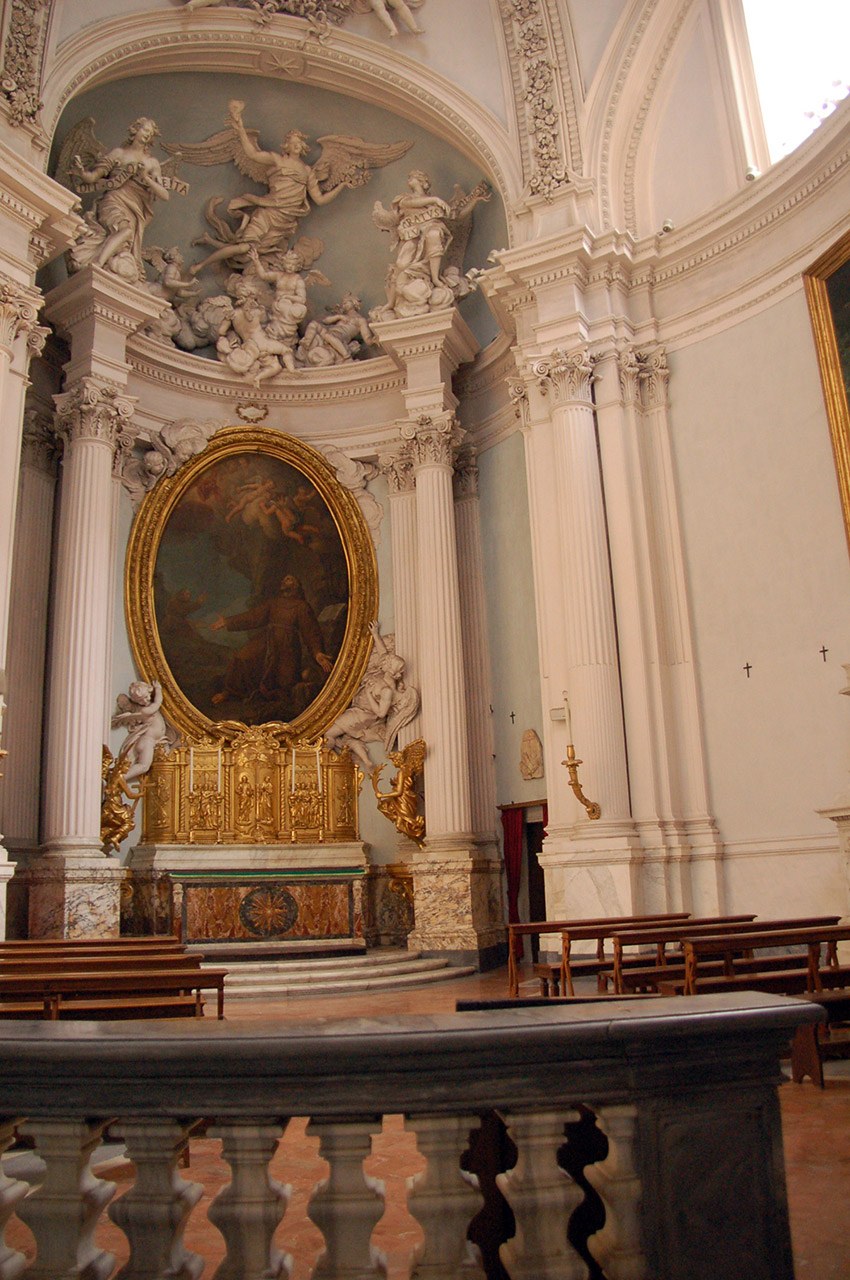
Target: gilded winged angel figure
x=267, y=223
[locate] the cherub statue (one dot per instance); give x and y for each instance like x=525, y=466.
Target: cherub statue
x=268, y=222
x=139, y=710
x=117, y=819
x=289, y=302
x=248, y=348
x=381, y=707
x=401, y=804
x=422, y=227
x=174, y=286
x=323, y=10
x=336, y=338
x=131, y=180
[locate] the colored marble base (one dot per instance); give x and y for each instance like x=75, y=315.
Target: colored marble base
x=73, y=897
x=458, y=907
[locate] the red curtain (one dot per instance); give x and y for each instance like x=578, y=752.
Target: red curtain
x=512, y=827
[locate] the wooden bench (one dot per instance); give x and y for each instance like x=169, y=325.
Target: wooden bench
x=602, y=966
x=829, y=1040
x=664, y=936
x=143, y=990
x=539, y=927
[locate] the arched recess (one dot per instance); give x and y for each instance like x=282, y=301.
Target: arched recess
x=154, y=43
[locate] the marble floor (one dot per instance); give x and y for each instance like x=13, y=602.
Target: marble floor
x=816, y=1126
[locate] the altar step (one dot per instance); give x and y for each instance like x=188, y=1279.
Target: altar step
x=380, y=970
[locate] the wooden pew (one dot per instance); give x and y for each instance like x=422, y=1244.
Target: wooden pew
x=602, y=966
x=116, y=992
x=539, y=927
x=696, y=928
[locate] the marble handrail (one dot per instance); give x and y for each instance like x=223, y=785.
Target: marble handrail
x=684, y=1093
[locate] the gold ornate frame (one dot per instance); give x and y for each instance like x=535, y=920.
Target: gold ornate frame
x=832, y=378
x=143, y=546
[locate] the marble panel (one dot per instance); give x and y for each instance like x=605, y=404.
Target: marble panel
x=74, y=899
x=269, y=909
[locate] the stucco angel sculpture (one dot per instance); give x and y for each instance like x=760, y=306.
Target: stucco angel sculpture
x=381, y=707
x=267, y=223
x=130, y=179
x=425, y=275
x=139, y=711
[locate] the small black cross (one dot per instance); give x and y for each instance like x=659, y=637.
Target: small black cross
x=823, y=650
x=748, y=669
x=513, y=717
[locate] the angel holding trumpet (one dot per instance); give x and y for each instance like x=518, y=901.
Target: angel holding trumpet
x=267, y=223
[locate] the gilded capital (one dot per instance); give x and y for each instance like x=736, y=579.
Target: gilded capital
x=432, y=441
x=565, y=376
x=96, y=411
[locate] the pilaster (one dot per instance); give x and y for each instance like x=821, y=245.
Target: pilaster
x=397, y=466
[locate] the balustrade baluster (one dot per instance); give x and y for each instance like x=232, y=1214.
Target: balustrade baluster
x=12, y=1262
x=543, y=1197
x=153, y=1213
x=444, y=1199
x=63, y=1210
x=250, y=1209
x=617, y=1245
x=347, y=1205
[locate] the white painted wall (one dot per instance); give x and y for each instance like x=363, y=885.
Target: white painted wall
x=770, y=584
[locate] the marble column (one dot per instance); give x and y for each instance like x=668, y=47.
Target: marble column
x=595, y=870
x=456, y=891
x=73, y=886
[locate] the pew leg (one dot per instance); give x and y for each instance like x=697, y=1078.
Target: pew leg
x=806, y=1057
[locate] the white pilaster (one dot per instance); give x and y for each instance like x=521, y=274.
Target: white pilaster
x=19, y=796
x=476, y=658
x=398, y=468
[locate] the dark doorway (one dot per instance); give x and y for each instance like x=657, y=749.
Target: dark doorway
x=534, y=832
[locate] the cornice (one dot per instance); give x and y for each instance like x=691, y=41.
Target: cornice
x=156, y=362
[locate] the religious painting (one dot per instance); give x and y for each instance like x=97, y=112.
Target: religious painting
x=828, y=291
x=250, y=584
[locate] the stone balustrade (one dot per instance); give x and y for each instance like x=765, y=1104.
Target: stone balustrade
x=680, y=1094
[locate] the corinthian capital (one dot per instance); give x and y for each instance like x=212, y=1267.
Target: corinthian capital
x=433, y=440
x=398, y=469
x=566, y=376
x=518, y=392
x=94, y=410
x=39, y=446
x=644, y=376
x=466, y=473
x=18, y=314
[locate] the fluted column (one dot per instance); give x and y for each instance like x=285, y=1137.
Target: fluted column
x=476, y=656
x=441, y=652
x=92, y=419
x=398, y=469
x=19, y=796
x=73, y=886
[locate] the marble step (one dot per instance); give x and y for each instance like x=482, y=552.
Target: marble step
x=397, y=969
x=326, y=965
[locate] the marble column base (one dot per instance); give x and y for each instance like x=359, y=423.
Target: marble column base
x=388, y=905
x=457, y=904
x=74, y=897
x=7, y=870
x=596, y=870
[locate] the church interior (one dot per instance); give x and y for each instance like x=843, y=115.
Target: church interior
x=414, y=419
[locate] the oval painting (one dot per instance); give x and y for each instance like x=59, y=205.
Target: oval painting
x=250, y=589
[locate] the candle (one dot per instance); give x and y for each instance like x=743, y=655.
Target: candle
x=218, y=785
x=292, y=788
x=191, y=769
x=318, y=771
x=568, y=718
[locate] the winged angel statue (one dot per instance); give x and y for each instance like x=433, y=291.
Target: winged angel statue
x=267, y=223
x=129, y=180
x=429, y=237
